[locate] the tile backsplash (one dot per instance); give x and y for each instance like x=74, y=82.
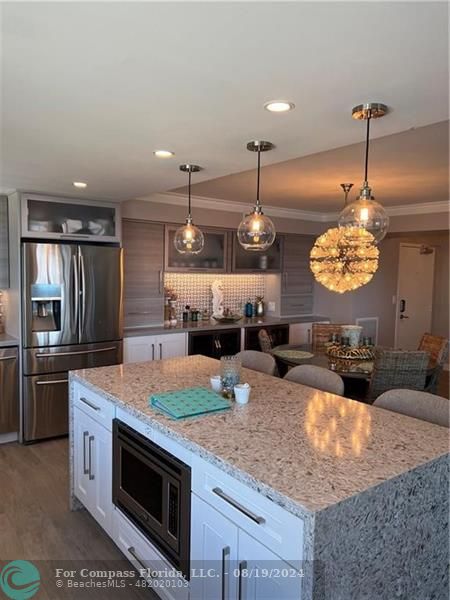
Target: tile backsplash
x=195, y=289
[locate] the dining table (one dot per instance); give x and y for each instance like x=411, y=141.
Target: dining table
x=356, y=373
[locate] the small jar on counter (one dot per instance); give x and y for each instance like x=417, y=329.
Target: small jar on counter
x=185, y=315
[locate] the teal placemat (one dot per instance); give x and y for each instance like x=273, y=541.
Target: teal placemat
x=189, y=402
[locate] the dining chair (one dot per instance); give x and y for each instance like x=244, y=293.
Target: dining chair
x=321, y=333
x=265, y=342
x=398, y=369
x=437, y=348
x=420, y=405
x=257, y=361
x=316, y=377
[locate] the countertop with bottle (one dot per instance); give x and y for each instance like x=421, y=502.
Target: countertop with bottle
x=213, y=325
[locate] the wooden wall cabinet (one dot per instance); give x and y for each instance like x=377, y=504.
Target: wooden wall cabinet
x=143, y=249
x=213, y=258
x=247, y=261
x=297, y=281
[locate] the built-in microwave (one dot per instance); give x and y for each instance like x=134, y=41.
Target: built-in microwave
x=153, y=488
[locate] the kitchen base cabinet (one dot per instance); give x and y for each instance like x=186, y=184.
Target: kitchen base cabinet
x=213, y=549
x=93, y=467
x=154, y=347
x=233, y=564
x=278, y=334
x=9, y=390
x=215, y=344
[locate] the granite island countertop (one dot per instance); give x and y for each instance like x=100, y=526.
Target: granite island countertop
x=307, y=450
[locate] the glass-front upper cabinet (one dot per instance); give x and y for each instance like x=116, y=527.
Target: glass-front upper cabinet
x=269, y=261
x=213, y=258
x=64, y=218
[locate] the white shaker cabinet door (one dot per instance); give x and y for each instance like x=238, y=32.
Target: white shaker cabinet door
x=262, y=575
x=214, y=543
x=171, y=345
x=139, y=349
x=93, y=467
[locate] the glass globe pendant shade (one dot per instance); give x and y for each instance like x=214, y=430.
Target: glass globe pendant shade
x=365, y=212
x=256, y=231
x=189, y=239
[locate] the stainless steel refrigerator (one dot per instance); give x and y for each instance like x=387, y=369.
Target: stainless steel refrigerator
x=72, y=319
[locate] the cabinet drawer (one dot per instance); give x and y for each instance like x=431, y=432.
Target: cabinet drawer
x=267, y=522
x=95, y=406
x=145, y=558
x=296, y=305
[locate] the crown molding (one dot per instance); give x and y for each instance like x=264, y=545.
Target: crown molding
x=177, y=199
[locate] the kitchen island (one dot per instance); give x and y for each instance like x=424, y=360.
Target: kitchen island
x=351, y=498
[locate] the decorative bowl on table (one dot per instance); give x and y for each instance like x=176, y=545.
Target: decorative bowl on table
x=350, y=353
x=231, y=318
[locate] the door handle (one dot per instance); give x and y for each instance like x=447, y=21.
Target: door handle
x=91, y=474
x=402, y=305
x=248, y=513
x=56, y=354
x=76, y=291
x=85, y=470
x=242, y=567
x=225, y=554
x=160, y=351
x=404, y=317
x=153, y=351
x=82, y=292
x=52, y=382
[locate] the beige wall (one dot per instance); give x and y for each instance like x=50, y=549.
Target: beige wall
x=375, y=298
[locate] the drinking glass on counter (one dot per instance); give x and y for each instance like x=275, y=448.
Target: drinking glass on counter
x=230, y=372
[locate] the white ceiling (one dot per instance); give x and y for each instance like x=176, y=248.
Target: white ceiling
x=91, y=89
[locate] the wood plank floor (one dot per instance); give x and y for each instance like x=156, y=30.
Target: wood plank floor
x=36, y=523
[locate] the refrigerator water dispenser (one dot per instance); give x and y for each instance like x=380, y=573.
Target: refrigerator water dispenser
x=46, y=307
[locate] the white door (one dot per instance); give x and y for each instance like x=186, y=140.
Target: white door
x=263, y=575
x=100, y=474
x=80, y=450
x=139, y=349
x=214, y=542
x=171, y=345
x=414, y=294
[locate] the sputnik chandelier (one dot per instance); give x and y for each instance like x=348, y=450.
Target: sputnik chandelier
x=344, y=259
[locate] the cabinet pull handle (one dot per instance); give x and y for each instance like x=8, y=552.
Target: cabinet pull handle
x=153, y=351
x=91, y=474
x=160, y=279
x=85, y=470
x=90, y=404
x=248, y=513
x=242, y=566
x=160, y=351
x=219, y=345
x=225, y=554
x=133, y=553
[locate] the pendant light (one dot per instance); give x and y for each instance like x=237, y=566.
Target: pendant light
x=256, y=232
x=365, y=212
x=188, y=238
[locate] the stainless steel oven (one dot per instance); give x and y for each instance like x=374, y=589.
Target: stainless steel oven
x=153, y=488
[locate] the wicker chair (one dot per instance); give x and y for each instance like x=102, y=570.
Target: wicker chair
x=321, y=333
x=395, y=369
x=420, y=405
x=265, y=341
x=258, y=361
x=437, y=348
x=316, y=377
x=435, y=345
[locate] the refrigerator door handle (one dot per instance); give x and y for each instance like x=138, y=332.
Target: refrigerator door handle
x=83, y=293
x=76, y=292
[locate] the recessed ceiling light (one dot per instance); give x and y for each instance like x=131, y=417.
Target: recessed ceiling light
x=163, y=153
x=279, y=106
x=79, y=184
